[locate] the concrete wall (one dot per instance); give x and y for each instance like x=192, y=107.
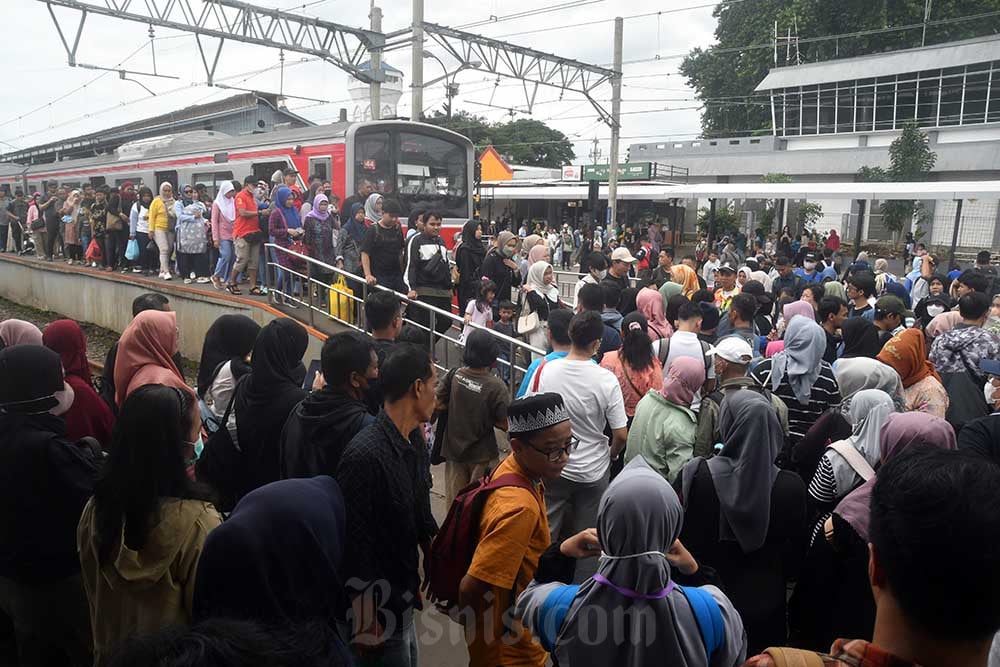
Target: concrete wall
x=106, y=300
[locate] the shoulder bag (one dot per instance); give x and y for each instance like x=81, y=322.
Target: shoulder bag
x=526, y=322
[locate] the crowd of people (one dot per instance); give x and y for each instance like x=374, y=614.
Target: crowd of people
x=762, y=454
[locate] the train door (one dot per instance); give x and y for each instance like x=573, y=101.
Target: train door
x=262, y=170
x=164, y=177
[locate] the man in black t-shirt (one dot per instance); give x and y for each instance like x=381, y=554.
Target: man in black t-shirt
x=382, y=250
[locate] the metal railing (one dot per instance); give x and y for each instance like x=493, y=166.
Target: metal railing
x=303, y=287
x=567, y=280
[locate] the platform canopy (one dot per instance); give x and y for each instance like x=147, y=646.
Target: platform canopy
x=563, y=191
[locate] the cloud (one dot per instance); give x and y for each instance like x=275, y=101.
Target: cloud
x=37, y=63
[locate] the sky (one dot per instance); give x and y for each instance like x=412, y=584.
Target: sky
x=55, y=101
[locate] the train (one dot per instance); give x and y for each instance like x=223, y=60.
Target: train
x=419, y=165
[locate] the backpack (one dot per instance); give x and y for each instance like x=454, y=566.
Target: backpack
x=222, y=465
x=455, y=543
x=664, y=354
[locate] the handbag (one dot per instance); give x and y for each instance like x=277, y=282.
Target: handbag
x=525, y=323
x=341, y=303
x=442, y=422
x=294, y=262
x=94, y=252
x=132, y=250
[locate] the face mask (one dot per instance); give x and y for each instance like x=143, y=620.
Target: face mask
x=988, y=390
x=199, y=447
x=934, y=311
x=507, y=252
x=809, y=266
x=601, y=275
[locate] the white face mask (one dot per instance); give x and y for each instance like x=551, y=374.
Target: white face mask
x=935, y=310
x=601, y=275
x=809, y=266
x=988, y=391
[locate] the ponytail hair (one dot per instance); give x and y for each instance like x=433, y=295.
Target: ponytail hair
x=637, y=349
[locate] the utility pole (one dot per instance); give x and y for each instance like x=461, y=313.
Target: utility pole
x=927, y=17
x=417, y=62
x=616, y=108
x=376, y=62
x=595, y=152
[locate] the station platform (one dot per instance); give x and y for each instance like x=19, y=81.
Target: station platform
x=105, y=298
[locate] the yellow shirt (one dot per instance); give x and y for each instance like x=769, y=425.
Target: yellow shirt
x=514, y=532
x=158, y=216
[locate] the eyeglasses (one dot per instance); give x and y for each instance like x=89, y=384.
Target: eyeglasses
x=554, y=455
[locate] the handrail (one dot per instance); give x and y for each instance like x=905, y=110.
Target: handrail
x=507, y=344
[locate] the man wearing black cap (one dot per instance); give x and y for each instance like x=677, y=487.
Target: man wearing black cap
x=890, y=317
x=726, y=288
x=45, y=480
x=515, y=532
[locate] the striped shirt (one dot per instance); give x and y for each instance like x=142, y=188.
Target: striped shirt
x=825, y=394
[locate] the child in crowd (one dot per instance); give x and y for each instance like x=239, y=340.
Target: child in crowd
x=479, y=310
x=505, y=325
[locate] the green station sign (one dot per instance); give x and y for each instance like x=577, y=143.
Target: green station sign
x=630, y=171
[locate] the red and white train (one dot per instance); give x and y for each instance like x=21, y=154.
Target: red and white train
x=415, y=163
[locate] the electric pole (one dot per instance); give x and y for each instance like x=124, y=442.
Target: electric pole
x=595, y=152
x=616, y=107
x=376, y=62
x=417, y=62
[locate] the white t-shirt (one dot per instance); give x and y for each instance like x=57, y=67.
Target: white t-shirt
x=586, y=280
x=685, y=344
x=593, y=398
x=708, y=272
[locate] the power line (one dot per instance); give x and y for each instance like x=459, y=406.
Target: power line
x=528, y=12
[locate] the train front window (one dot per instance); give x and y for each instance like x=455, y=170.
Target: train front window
x=373, y=161
x=433, y=173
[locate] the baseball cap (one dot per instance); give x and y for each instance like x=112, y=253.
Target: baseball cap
x=810, y=257
x=734, y=349
x=990, y=366
x=726, y=266
x=622, y=255
x=889, y=304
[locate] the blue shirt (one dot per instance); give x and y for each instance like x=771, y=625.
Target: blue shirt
x=829, y=272
x=530, y=372
x=814, y=277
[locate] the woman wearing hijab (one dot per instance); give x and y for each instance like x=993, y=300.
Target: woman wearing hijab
x=939, y=324
x=469, y=258
x=19, y=332
x=162, y=223
x=276, y=560
x=685, y=276
x=743, y=276
x=45, y=480
x=284, y=226
x=799, y=376
x=146, y=354
x=906, y=353
x=499, y=266
x=669, y=290
x=70, y=214
x=542, y=296
x=854, y=375
x=192, y=243
x=141, y=534
x=860, y=338
x=835, y=288
x=264, y=398
x=742, y=516
x=650, y=304
x=833, y=597
x=353, y=233
x=223, y=217
x=373, y=208
x=763, y=279
x=638, y=522
x=539, y=253
x=319, y=232
x=89, y=415
x=664, y=427
x=224, y=360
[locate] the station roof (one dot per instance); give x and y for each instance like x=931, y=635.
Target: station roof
x=563, y=191
x=903, y=61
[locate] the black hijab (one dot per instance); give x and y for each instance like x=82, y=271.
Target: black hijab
x=626, y=302
x=267, y=395
x=860, y=338
x=230, y=338
x=470, y=243
x=277, y=558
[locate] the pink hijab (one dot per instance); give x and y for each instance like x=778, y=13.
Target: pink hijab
x=145, y=354
x=794, y=308
x=684, y=377
x=650, y=304
x=537, y=253
x=943, y=322
x=19, y=332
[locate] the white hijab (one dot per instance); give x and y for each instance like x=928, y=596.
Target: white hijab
x=536, y=281
x=869, y=410
x=227, y=205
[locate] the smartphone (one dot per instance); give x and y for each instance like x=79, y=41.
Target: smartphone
x=311, y=372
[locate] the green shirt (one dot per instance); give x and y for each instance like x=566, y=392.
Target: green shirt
x=663, y=433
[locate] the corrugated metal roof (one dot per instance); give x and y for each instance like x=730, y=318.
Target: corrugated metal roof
x=950, y=54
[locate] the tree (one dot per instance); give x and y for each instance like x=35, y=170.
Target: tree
x=808, y=215
x=773, y=207
x=727, y=220
x=910, y=159
x=725, y=74
x=523, y=141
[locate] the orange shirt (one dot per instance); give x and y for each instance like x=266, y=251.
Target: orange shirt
x=245, y=224
x=514, y=532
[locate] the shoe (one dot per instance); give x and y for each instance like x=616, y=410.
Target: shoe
x=167, y=276
x=201, y=280
x=187, y=281
x=93, y=265
x=192, y=276
x=70, y=262
x=216, y=282
x=134, y=270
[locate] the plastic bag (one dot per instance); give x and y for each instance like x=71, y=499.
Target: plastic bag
x=132, y=250
x=94, y=252
x=341, y=303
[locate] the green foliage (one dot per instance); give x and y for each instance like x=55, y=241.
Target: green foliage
x=910, y=159
x=727, y=220
x=725, y=74
x=809, y=214
x=770, y=212
x=523, y=141
x=872, y=175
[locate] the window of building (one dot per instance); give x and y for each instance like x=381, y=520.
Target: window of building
x=906, y=101
x=793, y=118
x=928, y=91
x=976, y=88
x=827, y=108
x=864, y=116
x=993, y=98
x=810, y=107
x=885, y=94
x=845, y=107
x=952, y=88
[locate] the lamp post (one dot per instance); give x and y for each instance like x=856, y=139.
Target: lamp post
x=450, y=87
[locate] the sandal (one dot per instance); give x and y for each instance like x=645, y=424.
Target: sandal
x=256, y=291
x=233, y=289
